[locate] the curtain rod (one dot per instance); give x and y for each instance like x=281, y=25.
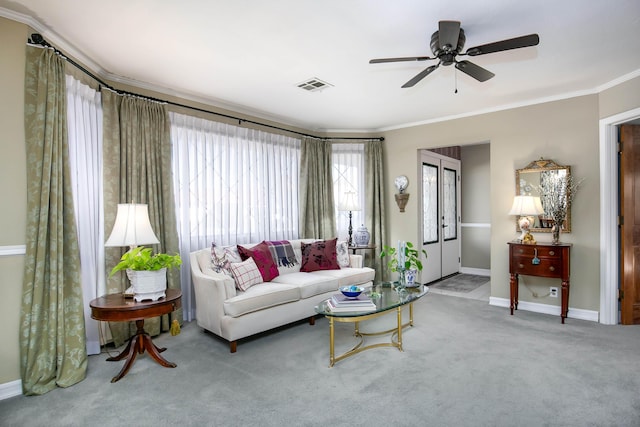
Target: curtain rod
x=37, y=39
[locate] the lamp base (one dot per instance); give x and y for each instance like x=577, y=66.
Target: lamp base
x=525, y=223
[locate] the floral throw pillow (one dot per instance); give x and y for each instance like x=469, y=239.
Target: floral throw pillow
x=320, y=255
x=263, y=259
x=342, y=252
x=222, y=257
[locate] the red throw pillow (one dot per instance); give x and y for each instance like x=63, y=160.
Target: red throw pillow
x=262, y=256
x=319, y=255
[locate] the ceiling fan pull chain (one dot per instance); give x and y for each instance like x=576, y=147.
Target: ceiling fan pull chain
x=455, y=78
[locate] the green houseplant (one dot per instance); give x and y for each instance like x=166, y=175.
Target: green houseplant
x=142, y=259
x=146, y=271
x=404, y=259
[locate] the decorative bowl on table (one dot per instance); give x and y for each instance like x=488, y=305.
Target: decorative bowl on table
x=351, y=291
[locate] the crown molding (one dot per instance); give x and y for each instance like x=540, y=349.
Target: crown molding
x=60, y=43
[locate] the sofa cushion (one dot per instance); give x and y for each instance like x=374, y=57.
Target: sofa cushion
x=309, y=284
x=349, y=276
x=320, y=255
x=259, y=297
x=262, y=256
x=246, y=274
x=204, y=262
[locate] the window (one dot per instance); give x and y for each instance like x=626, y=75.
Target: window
x=348, y=175
x=233, y=184
x=84, y=124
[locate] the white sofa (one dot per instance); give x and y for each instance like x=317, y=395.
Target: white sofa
x=233, y=314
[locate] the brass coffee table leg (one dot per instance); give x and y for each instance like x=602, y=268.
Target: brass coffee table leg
x=331, y=343
x=399, y=309
x=411, y=314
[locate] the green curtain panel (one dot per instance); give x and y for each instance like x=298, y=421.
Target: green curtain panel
x=52, y=330
x=137, y=168
x=317, y=213
x=374, y=190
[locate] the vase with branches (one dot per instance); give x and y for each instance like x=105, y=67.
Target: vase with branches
x=557, y=191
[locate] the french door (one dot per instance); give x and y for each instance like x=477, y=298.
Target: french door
x=440, y=215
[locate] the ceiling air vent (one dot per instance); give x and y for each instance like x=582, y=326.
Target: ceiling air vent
x=314, y=84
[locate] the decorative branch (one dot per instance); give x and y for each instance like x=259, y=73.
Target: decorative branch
x=557, y=191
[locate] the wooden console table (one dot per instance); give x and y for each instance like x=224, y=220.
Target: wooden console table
x=115, y=307
x=542, y=260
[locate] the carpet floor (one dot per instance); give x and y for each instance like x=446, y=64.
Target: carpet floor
x=465, y=363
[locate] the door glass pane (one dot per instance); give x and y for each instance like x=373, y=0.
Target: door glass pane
x=449, y=205
x=430, y=203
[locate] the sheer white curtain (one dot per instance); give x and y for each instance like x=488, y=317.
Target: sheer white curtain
x=348, y=175
x=84, y=121
x=232, y=185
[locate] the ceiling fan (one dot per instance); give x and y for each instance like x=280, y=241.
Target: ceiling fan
x=447, y=44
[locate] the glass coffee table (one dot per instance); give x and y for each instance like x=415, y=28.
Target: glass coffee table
x=387, y=297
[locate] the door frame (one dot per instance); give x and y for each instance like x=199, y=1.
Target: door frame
x=609, y=241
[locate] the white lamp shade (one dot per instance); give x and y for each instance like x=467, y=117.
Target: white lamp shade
x=526, y=205
x=132, y=227
x=349, y=202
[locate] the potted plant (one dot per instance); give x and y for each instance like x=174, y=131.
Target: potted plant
x=404, y=259
x=146, y=271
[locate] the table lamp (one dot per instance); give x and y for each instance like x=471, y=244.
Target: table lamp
x=349, y=202
x=527, y=207
x=131, y=228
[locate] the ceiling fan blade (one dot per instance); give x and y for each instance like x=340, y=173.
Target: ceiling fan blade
x=421, y=75
x=514, y=43
x=448, y=34
x=409, y=58
x=475, y=71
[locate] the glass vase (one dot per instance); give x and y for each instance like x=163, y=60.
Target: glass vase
x=555, y=234
x=402, y=278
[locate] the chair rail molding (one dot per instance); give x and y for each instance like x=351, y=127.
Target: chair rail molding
x=13, y=250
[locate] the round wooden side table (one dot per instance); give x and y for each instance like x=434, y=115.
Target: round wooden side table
x=117, y=308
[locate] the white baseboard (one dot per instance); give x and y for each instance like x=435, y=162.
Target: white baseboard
x=476, y=271
x=7, y=390
x=574, y=313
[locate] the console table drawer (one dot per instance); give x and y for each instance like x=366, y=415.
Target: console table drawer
x=531, y=251
x=548, y=267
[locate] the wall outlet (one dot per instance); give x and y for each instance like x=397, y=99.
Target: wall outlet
x=553, y=292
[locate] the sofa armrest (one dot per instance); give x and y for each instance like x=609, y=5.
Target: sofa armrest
x=211, y=291
x=356, y=261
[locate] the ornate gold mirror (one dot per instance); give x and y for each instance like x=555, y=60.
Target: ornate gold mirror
x=535, y=180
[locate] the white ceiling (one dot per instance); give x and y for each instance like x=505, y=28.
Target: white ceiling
x=249, y=55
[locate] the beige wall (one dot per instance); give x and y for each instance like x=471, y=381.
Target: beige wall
x=565, y=131
x=13, y=191
x=619, y=99
x=476, y=206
